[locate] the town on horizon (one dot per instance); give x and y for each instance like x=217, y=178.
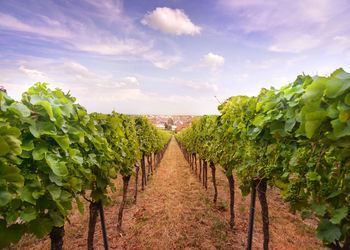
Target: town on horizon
x=171, y=122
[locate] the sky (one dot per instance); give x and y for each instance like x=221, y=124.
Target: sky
x=168, y=57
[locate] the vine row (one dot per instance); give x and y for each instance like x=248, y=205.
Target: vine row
x=296, y=138
x=52, y=152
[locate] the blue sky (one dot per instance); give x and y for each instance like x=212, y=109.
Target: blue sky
x=168, y=57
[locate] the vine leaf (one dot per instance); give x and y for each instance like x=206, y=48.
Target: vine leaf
x=62, y=140
x=4, y=197
x=40, y=227
x=59, y=168
x=339, y=214
x=327, y=231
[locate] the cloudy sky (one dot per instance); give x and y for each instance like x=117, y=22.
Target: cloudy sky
x=168, y=57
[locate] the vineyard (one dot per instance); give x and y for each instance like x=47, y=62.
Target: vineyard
x=56, y=158
x=53, y=152
x=296, y=139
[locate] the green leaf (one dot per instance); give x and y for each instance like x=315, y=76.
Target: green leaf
x=4, y=241
x=42, y=128
x=28, y=214
x=67, y=109
x=347, y=99
x=20, y=109
x=13, y=131
x=4, y=147
x=55, y=191
x=313, y=121
x=65, y=196
x=339, y=214
x=336, y=87
x=332, y=111
x=327, y=231
x=58, y=180
x=80, y=205
x=61, y=208
x=40, y=227
x=341, y=74
x=40, y=150
x=314, y=91
x=59, y=168
x=57, y=219
x=26, y=195
x=344, y=115
x=15, y=232
x=62, y=140
x=289, y=124
x=340, y=129
x=27, y=145
x=76, y=184
x=4, y=198
x=35, y=99
x=12, y=175
x=14, y=143
x=319, y=209
x=11, y=234
x=313, y=176
x=47, y=106
x=334, y=194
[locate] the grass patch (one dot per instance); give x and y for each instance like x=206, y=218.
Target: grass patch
x=242, y=209
x=222, y=206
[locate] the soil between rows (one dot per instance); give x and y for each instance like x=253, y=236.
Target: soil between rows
x=176, y=212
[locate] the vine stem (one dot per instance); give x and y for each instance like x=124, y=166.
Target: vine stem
x=251, y=216
x=103, y=225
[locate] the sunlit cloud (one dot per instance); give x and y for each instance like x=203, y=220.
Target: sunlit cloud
x=170, y=21
x=196, y=85
x=212, y=60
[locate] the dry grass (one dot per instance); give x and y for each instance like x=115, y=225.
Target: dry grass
x=175, y=211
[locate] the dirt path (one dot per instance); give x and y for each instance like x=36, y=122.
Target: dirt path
x=176, y=212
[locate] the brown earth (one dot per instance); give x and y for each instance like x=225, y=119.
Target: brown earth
x=176, y=212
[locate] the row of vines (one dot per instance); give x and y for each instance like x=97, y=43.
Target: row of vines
x=53, y=153
x=296, y=138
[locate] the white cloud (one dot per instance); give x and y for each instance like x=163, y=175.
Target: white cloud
x=158, y=59
x=34, y=74
x=110, y=45
x=76, y=69
x=9, y=22
x=76, y=35
x=129, y=81
x=170, y=21
x=295, y=45
x=110, y=10
x=295, y=60
x=199, y=86
x=292, y=26
x=340, y=44
x=212, y=60
x=75, y=72
x=82, y=32
x=264, y=15
x=123, y=95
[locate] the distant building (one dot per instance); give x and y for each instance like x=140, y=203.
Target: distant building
x=175, y=122
x=160, y=126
